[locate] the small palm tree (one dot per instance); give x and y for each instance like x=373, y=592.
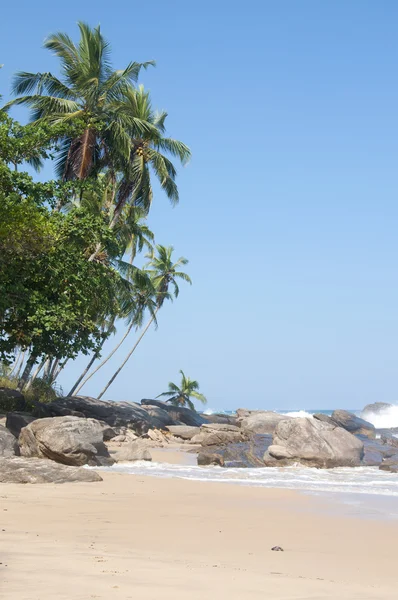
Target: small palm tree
x=181, y=395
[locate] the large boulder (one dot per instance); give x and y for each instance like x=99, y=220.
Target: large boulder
x=183, y=431
x=16, y=421
x=131, y=451
x=353, y=424
x=263, y=422
x=8, y=443
x=220, y=438
x=161, y=418
x=11, y=400
x=36, y=470
x=375, y=451
x=313, y=443
x=179, y=414
x=242, y=454
x=116, y=414
x=67, y=440
x=375, y=408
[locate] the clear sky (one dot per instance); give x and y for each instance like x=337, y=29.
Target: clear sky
x=288, y=209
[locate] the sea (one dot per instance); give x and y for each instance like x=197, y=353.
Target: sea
x=364, y=490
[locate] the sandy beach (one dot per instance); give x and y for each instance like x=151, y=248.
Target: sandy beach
x=147, y=538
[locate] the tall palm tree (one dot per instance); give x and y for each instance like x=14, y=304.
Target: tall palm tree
x=181, y=395
x=88, y=94
x=164, y=274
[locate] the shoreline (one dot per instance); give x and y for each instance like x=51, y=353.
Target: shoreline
x=146, y=536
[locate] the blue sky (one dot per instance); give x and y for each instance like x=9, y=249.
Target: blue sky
x=288, y=209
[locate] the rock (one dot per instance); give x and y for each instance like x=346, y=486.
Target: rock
x=375, y=408
x=389, y=440
x=16, y=420
x=183, y=431
x=8, y=443
x=277, y=549
x=390, y=464
x=11, y=400
x=220, y=438
x=208, y=427
x=210, y=459
x=375, y=451
x=137, y=450
x=37, y=470
x=353, y=424
x=115, y=414
x=160, y=417
x=324, y=418
x=67, y=440
x=313, y=443
x=263, y=422
x=221, y=418
x=179, y=414
x=247, y=454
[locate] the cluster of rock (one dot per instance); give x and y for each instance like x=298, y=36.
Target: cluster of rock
x=69, y=433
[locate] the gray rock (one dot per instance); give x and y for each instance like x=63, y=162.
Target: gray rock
x=213, y=458
x=248, y=454
x=8, y=443
x=67, y=440
x=161, y=418
x=389, y=440
x=179, y=414
x=314, y=443
x=183, y=431
x=221, y=418
x=16, y=420
x=375, y=451
x=136, y=450
x=221, y=438
x=353, y=424
x=375, y=408
x=36, y=470
x=390, y=464
x=207, y=427
x=115, y=414
x=324, y=418
x=263, y=422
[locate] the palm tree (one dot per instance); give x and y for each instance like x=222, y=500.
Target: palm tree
x=180, y=395
x=164, y=274
x=146, y=154
x=88, y=94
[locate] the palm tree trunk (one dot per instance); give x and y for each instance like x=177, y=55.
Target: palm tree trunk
x=112, y=379
x=86, y=370
x=18, y=371
x=60, y=368
x=35, y=374
x=26, y=372
x=52, y=370
x=47, y=366
x=100, y=365
x=16, y=362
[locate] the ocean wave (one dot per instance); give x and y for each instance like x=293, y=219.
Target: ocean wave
x=384, y=419
x=297, y=414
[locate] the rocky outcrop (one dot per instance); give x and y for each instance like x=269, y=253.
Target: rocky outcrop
x=263, y=422
x=115, y=414
x=242, y=454
x=131, y=451
x=313, y=443
x=8, y=443
x=183, y=431
x=16, y=421
x=36, y=470
x=161, y=419
x=11, y=400
x=67, y=440
x=375, y=409
x=390, y=464
x=375, y=451
x=221, y=418
x=353, y=424
x=179, y=414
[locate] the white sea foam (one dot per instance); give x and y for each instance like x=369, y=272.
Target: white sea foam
x=299, y=414
x=361, y=480
x=384, y=419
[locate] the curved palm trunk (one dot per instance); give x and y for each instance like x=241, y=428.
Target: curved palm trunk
x=26, y=372
x=75, y=388
x=18, y=371
x=35, y=374
x=60, y=368
x=82, y=376
x=112, y=379
x=17, y=361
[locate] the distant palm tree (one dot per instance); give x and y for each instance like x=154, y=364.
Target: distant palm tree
x=181, y=395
